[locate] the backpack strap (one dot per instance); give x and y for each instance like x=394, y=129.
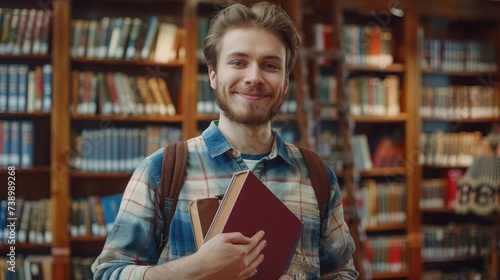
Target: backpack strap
x=320, y=179
x=172, y=177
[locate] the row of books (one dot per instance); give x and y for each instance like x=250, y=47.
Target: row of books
x=81, y=268
x=127, y=38
x=119, y=149
x=368, y=45
x=465, y=240
x=452, y=149
x=28, y=267
x=206, y=103
x=33, y=221
x=440, y=192
x=374, y=96
x=328, y=143
x=463, y=273
x=382, y=152
x=17, y=144
x=115, y=93
x=323, y=34
x=94, y=215
x=25, y=90
x=460, y=102
x=387, y=254
x=24, y=31
x=454, y=55
x=328, y=93
x=382, y=203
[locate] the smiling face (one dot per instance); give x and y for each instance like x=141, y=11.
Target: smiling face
x=250, y=80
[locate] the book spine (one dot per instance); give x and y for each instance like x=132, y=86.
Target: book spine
x=27, y=144
x=47, y=88
x=15, y=143
x=22, y=88
x=4, y=85
x=37, y=35
x=12, y=88
x=6, y=142
x=131, y=50
x=151, y=33
x=29, y=34
x=92, y=38
x=122, y=41
x=44, y=41
x=102, y=46
x=20, y=32
x=114, y=37
x=5, y=30
x=38, y=101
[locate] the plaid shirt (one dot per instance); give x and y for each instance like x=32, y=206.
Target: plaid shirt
x=132, y=243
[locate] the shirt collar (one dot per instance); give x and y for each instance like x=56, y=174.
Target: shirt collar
x=217, y=144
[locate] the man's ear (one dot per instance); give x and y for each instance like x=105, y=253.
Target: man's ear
x=212, y=76
x=287, y=81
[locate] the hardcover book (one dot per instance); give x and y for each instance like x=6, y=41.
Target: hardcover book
x=249, y=206
x=202, y=212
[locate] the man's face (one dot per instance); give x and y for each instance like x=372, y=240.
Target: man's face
x=250, y=81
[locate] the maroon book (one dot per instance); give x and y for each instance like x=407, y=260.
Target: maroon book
x=249, y=206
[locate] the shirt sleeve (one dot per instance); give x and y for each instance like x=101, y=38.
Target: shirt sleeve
x=336, y=243
x=130, y=246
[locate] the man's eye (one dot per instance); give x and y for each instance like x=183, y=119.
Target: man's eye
x=270, y=66
x=236, y=63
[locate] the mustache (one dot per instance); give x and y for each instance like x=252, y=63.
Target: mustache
x=251, y=90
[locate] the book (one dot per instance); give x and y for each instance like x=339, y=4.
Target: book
x=202, y=212
x=47, y=88
x=135, y=29
x=249, y=206
x=12, y=85
x=22, y=87
x=165, y=43
x=122, y=40
x=92, y=39
x=27, y=144
x=389, y=152
x=29, y=32
x=361, y=153
x=110, y=205
x=151, y=33
x=4, y=87
x=165, y=93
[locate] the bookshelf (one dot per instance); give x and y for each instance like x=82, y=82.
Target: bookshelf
x=377, y=67
x=458, y=108
x=54, y=131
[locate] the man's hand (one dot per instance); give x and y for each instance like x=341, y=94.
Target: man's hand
x=230, y=256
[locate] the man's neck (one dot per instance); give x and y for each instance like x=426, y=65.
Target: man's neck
x=252, y=140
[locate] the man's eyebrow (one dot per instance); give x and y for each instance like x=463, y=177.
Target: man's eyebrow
x=245, y=55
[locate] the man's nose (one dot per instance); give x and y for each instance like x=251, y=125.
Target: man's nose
x=253, y=75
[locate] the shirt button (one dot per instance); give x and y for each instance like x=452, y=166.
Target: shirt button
x=235, y=153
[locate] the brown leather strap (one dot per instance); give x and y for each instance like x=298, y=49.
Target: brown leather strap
x=172, y=177
x=320, y=179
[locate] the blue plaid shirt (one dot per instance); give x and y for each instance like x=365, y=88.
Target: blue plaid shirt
x=132, y=243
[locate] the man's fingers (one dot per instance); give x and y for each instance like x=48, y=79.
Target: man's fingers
x=235, y=238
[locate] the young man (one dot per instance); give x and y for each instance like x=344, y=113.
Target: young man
x=250, y=53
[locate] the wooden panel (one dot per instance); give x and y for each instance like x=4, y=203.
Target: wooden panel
x=60, y=138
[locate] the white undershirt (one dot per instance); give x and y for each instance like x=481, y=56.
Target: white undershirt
x=250, y=163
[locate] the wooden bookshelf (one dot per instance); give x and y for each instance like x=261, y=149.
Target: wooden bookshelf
x=54, y=143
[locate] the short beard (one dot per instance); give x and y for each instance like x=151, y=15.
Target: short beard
x=256, y=116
